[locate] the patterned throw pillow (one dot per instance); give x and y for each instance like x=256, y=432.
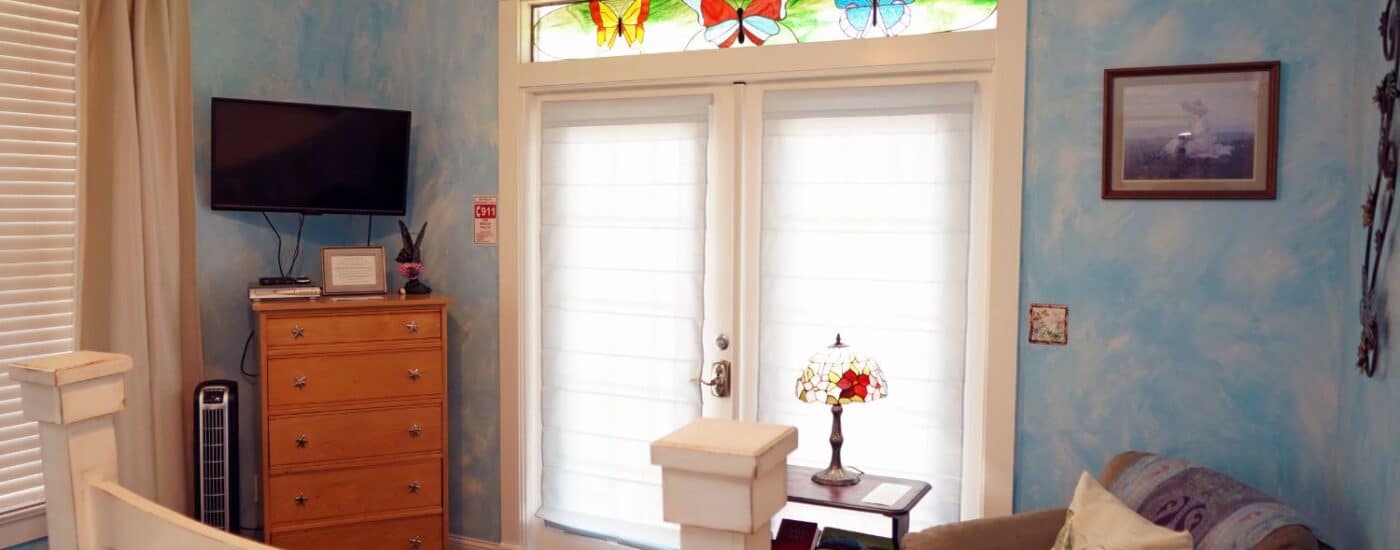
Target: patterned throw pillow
x=1096, y=520
x=1219, y=512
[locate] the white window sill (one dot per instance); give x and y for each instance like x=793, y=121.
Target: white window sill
x=24, y=525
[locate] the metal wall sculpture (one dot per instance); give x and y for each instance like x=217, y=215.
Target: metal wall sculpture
x=1382, y=194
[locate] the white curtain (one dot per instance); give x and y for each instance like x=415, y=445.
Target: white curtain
x=136, y=245
x=865, y=233
x=622, y=206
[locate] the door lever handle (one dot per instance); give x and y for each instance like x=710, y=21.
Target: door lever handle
x=720, y=383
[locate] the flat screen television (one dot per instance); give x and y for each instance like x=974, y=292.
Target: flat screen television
x=314, y=159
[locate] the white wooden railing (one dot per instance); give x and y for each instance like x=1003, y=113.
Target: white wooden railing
x=74, y=398
x=722, y=481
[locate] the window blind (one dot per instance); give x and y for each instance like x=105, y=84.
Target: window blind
x=38, y=182
x=622, y=211
x=865, y=232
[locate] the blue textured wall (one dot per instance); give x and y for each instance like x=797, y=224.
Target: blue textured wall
x=436, y=58
x=1210, y=330
x=1369, y=425
x=1218, y=331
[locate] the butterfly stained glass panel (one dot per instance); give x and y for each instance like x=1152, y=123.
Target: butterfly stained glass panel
x=602, y=28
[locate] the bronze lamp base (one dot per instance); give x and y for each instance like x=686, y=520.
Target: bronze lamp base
x=836, y=475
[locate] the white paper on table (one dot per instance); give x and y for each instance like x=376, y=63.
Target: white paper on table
x=886, y=494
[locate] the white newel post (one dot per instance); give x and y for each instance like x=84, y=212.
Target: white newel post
x=722, y=481
x=73, y=397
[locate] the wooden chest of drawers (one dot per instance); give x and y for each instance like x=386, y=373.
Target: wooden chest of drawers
x=354, y=423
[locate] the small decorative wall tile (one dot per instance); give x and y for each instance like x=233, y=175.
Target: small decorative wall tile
x=1049, y=324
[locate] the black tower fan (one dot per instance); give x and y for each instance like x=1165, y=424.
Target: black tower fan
x=216, y=453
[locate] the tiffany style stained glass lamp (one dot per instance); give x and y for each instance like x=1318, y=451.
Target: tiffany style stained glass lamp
x=838, y=376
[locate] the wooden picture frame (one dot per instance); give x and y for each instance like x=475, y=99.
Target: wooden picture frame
x=353, y=270
x=1191, y=131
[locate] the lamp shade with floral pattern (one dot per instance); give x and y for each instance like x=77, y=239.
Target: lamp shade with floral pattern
x=841, y=375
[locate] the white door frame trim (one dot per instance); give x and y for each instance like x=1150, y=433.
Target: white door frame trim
x=999, y=53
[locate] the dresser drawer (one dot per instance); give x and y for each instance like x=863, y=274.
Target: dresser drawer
x=333, y=329
x=325, y=378
x=340, y=492
x=420, y=533
x=356, y=434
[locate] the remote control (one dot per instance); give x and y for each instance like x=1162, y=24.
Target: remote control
x=276, y=281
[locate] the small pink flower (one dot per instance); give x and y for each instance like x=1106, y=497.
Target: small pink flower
x=410, y=269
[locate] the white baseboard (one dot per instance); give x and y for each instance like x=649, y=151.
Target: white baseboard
x=26, y=525
x=461, y=542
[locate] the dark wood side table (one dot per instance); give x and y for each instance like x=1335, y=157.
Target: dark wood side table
x=801, y=489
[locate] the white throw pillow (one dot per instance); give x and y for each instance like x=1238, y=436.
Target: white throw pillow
x=1097, y=520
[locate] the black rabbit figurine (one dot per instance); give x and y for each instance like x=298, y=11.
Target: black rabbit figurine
x=410, y=260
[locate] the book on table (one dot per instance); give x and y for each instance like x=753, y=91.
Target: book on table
x=841, y=539
x=796, y=535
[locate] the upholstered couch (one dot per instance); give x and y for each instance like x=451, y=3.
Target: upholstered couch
x=1037, y=530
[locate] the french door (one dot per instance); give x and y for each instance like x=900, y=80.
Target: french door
x=683, y=228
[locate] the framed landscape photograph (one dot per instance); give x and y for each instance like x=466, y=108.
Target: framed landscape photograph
x=1191, y=131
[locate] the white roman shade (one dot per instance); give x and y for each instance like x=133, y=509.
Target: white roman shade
x=38, y=182
x=865, y=232
x=622, y=256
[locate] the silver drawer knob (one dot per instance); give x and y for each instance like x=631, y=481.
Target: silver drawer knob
x=299, y=382
x=298, y=332
x=415, y=487
x=412, y=326
x=415, y=430
x=416, y=542
x=302, y=441
x=415, y=374
x=301, y=499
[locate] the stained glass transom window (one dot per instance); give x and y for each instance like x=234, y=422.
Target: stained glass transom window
x=602, y=28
